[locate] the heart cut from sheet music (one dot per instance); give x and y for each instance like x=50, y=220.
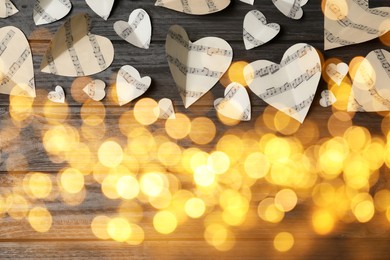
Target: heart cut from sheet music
x=95, y=89
x=337, y=72
x=248, y=1
x=17, y=70
x=195, y=7
x=327, y=98
x=289, y=86
x=101, y=7
x=350, y=22
x=57, y=96
x=49, y=11
x=235, y=104
x=256, y=31
x=165, y=109
x=7, y=8
x=130, y=85
x=196, y=67
x=370, y=88
x=137, y=31
x=291, y=8
x=74, y=51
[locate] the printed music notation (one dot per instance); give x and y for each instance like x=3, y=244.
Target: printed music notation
x=134, y=25
x=382, y=59
x=229, y=95
x=4, y=42
x=195, y=71
x=251, y=39
x=42, y=13
x=15, y=66
x=301, y=106
x=364, y=4
x=131, y=80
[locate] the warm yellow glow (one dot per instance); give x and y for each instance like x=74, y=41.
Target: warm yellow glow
x=203, y=130
x=144, y=111
x=195, y=207
x=178, y=128
x=286, y=200
x=235, y=72
x=99, y=227
x=203, y=176
x=323, y=221
x=277, y=149
x=219, y=236
x=109, y=187
x=283, y=241
x=40, y=185
x=169, y=153
x=218, y=162
x=40, y=219
x=119, y=229
x=18, y=206
x=231, y=145
x=152, y=184
x=364, y=211
x=164, y=222
x=92, y=113
x=268, y=211
x=137, y=235
x=72, y=180
x=110, y=154
x=382, y=200
x=257, y=165
x=127, y=187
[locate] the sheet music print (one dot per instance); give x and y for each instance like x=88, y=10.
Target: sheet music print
x=289, y=86
x=337, y=72
x=327, y=98
x=49, y=11
x=165, y=109
x=194, y=7
x=290, y=8
x=351, y=21
x=370, y=88
x=7, y=8
x=95, y=89
x=196, y=67
x=57, y=96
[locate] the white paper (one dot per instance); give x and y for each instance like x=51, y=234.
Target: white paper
x=195, y=7
x=7, y=8
x=371, y=85
x=49, y=11
x=137, y=31
x=291, y=8
x=256, y=31
x=352, y=21
x=74, y=51
x=337, y=72
x=248, y=1
x=235, y=104
x=327, y=98
x=196, y=67
x=289, y=86
x=16, y=68
x=165, y=109
x=95, y=89
x=101, y=7
x=130, y=85
x=57, y=96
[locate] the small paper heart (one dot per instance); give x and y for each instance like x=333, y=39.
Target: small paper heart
x=7, y=8
x=291, y=8
x=327, y=98
x=165, y=109
x=337, y=72
x=57, y=96
x=49, y=11
x=95, y=89
x=101, y=7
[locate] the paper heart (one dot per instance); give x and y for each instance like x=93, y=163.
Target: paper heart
x=95, y=89
x=165, y=109
x=291, y=8
x=196, y=67
x=248, y=1
x=137, y=31
x=130, y=85
x=7, y=8
x=256, y=30
x=57, y=96
x=337, y=72
x=327, y=98
x=74, y=51
x=235, y=104
x=49, y=11
x=16, y=70
x=195, y=7
x=370, y=88
x=352, y=21
x=289, y=86
x=101, y=7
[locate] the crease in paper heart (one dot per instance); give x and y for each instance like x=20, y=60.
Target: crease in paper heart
x=165, y=109
x=49, y=11
x=17, y=70
x=289, y=86
x=57, y=96
x=337, y=72
x=196, y=67
x=75, y=51
x=327, y=98
x=352, y=21
x=291, y=8
x=95, y=89
x=130, y=85
x=256, y=31
x=137, y=31
x=194, y=7
x=101, y=7
x=371, y=84
x=7, y=8
x=235, y=104
x=248, y=1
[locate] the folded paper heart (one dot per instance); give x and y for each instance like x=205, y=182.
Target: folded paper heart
x=291, y=8
x=74, y=51
x=195, y=7
x=101, y=7
x=337, y=72
x=17, y=68
x=57, y=96
x=235, y=104
x=137, y=31
x=370, y=88
x=196, y=67
x=130, y=85
x=256, y=30
x=248, y=1
x=289, y=86
x=7, y=8
x=95, y=89
x=352, y=21
x=165, y=109
x=327, y=98
x=49, y=11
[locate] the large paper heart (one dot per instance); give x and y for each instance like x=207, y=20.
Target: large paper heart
x=165, y=109
x=289, y=86
x=371, y=85
x=101, y=7
x=352, y=21
x=337, y=72
x=256, y=30
x=95, y=89
x=235, y=104
x=74, y=51
x=49, y=11
x=196, y=7
x=17, y=70
x=137, y=31
x=290, y=8
x=196, y=67
x=7, y=8
x=57, y=96
x=130, y=85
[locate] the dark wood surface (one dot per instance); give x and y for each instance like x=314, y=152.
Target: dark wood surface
x=71, y=235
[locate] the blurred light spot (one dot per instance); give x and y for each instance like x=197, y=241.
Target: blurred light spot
x=323, y=221
x=72, y=180
x=218, y=162
x=268, y=211
x=110, y=154
x=137, y=235
x=152, y=184
x=99, y=226
x=257, y=165
x=18, y=206
x=283, y=241
x=169, y=154
x=236, y=72
x=40, y=185
x=92, y=113
x=203, y=130
x=143, y=111
x=178, y=128
x=119, y=229
x=203, y=176
x=127, y=187
x=219, y=236
x=195, y=207
x=164, y=222
x=286, y=200
x=40, y=219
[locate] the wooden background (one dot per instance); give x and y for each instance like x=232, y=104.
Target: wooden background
x=71, y=236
